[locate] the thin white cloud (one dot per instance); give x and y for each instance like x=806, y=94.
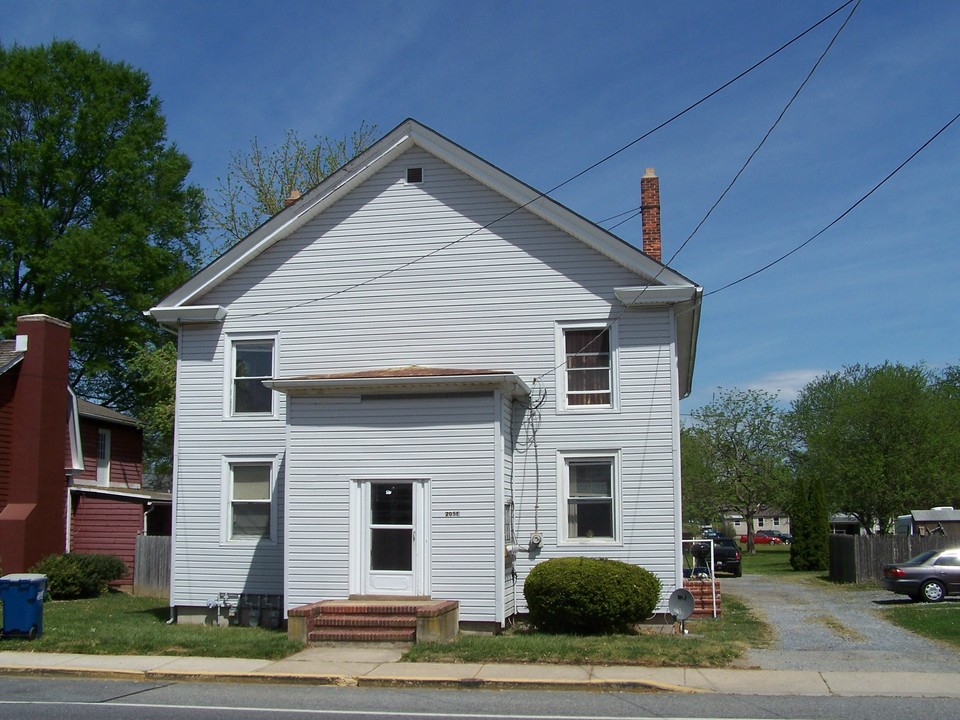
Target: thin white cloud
x=786, y=384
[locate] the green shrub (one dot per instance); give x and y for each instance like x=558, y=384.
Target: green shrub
x=589, y=596
x=76, y=575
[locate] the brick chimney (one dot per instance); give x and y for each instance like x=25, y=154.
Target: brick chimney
x=650, y=209
x=32, y=522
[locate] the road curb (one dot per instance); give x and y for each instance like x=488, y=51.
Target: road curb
x=649, y=686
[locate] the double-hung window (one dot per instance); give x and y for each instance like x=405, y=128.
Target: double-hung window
x=590, y=489
x=249, y=509
x=589, y=361
x=251, y=364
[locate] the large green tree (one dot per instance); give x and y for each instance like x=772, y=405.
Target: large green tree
x=743, y=444
x=96, y=219
x=883, y=440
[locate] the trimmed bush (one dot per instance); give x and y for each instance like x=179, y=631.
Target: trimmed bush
x=589, y=596
x=76, y=575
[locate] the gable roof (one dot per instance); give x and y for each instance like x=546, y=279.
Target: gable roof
x=405, y=136
x=660, y=285
x=91, y=410
x=9, y=355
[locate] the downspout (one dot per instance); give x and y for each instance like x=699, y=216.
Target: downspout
x=69, y=514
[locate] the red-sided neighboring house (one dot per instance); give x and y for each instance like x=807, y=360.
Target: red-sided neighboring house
x=108, y=506
x=54, y=447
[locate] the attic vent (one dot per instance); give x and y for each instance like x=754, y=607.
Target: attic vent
x=414, y=175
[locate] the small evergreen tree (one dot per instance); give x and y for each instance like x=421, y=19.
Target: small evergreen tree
x=818, y=518
x=810, y=524
x=799, y=525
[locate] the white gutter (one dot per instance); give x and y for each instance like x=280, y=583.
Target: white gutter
x=510, y=383
x=188, y=315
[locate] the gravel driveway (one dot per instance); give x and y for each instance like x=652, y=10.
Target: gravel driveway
x=822, y=628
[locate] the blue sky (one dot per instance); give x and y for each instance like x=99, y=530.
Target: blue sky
x=545, y=89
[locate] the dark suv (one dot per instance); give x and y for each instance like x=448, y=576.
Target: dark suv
x=726, y=555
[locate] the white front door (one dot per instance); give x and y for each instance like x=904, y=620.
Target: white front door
x=391, y=537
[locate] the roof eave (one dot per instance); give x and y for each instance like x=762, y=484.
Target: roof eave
x=686, y=300
x=384, y=151
x=508, y=382
x=176, y=316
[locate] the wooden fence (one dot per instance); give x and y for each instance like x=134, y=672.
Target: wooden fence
x=151, y=576
x=860, y=558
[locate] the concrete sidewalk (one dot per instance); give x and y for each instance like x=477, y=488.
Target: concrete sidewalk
x=380, y=666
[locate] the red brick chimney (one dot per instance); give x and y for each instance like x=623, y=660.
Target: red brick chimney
x=650, y=209
x=32, y=522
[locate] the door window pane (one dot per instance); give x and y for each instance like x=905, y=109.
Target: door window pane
x=391, y=549
x=391, y=504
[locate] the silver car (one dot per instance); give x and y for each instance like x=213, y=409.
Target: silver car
x=930, y=576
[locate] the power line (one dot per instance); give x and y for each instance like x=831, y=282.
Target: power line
x=583, y=172
x=839, y=217
x=763, y=140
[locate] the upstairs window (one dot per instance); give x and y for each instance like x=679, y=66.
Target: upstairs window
x=252, y=364
x=589, y=366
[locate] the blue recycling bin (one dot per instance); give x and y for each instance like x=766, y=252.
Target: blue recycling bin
x=22, y=596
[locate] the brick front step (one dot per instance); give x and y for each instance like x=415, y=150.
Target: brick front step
x=374, y=620
x=368, y=620
x=362, y=635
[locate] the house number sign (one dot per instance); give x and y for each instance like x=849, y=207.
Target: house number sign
x=452, y=513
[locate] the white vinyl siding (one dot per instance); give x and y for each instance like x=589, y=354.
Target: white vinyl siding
x=447, y=440
x=372, y=283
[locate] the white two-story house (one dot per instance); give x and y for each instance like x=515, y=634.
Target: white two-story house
x=420, y=379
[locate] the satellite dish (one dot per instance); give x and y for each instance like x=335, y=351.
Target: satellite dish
x=680, y=604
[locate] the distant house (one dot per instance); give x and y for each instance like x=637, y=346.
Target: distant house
x=944, y=521
x=420, y=379
x=770, y=519
x=96, y=474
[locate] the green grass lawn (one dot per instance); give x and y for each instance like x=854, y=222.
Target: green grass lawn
x=938, y=621
x=120, y=624
x=768, y=560
x=711, y=643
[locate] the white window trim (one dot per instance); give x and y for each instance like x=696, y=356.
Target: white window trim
x=103, y=471
x=226, y=493
x=229, y=365
x=563, y=485
x=561, y=363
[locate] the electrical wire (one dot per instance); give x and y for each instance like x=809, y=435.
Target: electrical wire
x=546, y=193
x=763, y=140
x=736, y=177
x=839, y=217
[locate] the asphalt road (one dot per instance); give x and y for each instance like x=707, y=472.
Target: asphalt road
x=91, y=699
x=835, y=629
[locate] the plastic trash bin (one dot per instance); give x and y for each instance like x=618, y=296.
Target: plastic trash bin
x=22, y=596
